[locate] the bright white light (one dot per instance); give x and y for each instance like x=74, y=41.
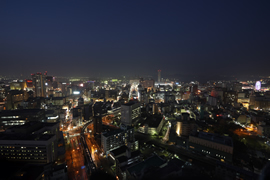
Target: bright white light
x=76, y=92
x=81, y=85
x=112, y=157
x=46, y=84
x=258, y=85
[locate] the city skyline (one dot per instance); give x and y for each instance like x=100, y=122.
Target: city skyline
x=200, y=39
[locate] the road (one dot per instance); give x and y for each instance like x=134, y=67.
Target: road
x=90, y=165
x=75, y=160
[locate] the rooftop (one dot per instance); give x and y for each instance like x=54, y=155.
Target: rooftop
x=215, y=138
x=119, y=150
x=20, y=112
x=116, y=131
x=154, y=161
x=122, y=159
x=26, y=137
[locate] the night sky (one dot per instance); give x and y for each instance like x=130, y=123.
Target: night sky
x=192, y=39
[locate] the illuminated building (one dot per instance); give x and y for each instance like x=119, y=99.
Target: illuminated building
x=155, y=108
x=185, y=126
x=148, y=83
x=20, y=117
x=33, y=142
x=39, y=84
x=18, y=86
x=216, y=146
x=152, y=125
x=29, y=85
x=57, y=101
x=244, y=99
x=130, y=112
x=230, y=97
x=14, y=98
x=260, y=101
x=114, y=139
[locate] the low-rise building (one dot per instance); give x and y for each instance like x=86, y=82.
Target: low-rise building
x=32, y=142
x=213, y=145
x=20, y=117
x=152, y=125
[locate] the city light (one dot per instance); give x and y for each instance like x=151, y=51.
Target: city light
x=76, y=92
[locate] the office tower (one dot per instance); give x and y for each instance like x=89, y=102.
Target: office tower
x=39, y=84
x=159, y=75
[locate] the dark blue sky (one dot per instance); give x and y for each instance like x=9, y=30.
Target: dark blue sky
x=133, y=37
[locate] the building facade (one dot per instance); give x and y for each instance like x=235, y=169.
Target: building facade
x=114, y=139
x=130, y=112
x=220, y=147
x=39, y=84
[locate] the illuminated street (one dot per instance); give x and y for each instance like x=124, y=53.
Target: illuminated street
x=75, y=160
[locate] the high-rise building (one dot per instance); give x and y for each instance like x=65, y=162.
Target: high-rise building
x=39, y=84
x=130, y=112
x=159, y=75
x=116, y=138
x=97, y=124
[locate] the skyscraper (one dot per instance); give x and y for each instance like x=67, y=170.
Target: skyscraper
x=159, y=74
x=39, y=84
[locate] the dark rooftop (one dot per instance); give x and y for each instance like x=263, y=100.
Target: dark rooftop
x=115, y=131
x=119, y=150
x=154, y=161
x=20, y=112
x=122, y=159
x=152, y=121
x=26, y=137
x=215, y=138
